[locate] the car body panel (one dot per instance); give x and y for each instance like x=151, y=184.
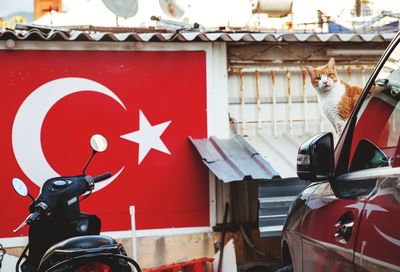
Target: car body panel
x=320, y=246
x=351, y=220
x=291, y=235
x=378, y=248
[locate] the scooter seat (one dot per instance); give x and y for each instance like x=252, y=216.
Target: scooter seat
x=83, y=242
x=78, y=246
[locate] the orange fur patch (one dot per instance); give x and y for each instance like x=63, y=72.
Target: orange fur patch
x=349, y=100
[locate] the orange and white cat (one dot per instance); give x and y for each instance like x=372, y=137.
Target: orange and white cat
x=337, y=98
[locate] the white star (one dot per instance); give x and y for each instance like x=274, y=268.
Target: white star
x=148, y=136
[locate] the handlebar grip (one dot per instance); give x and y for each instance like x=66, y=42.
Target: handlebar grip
x=101, y=177
x=33, y=217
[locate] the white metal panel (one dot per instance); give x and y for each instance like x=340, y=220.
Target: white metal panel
x=273, y=105
x=282, y=103
x=280, y=152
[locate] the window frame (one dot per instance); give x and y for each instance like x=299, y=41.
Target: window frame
x=343, y=147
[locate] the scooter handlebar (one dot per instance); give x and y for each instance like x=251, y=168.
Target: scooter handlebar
x=102, y=177
x=33, y=217
x=38, y=210
x=29, y=220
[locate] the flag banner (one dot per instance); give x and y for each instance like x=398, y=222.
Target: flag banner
x=146, y=104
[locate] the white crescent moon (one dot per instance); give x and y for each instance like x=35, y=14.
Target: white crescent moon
x=29, y=120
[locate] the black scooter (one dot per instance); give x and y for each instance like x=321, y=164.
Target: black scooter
x=61, y=238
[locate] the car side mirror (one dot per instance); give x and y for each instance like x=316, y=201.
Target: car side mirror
x=315, y=159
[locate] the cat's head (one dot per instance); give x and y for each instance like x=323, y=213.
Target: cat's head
x=323, y=78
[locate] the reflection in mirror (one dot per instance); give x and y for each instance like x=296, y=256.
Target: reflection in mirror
x=19, y=187
x=98, y=143
x=324, y=157
x=388, y=78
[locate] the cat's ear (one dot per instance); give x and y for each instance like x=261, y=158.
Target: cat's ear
x=331, y=63
x=310, y=70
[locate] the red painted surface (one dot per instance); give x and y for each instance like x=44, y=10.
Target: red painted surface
x=320, y=246
x=196, y=265
x=379, y=239
x=373, y=120
x=167, y=190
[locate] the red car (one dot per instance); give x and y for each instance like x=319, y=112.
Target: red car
x=348, y=219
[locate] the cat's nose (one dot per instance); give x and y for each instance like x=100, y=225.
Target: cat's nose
x=325, y=82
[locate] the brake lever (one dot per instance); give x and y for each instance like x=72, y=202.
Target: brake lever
x=20, y=226
x=30, y=218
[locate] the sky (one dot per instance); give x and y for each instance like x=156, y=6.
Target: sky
x=304, y=7
x=10, y=6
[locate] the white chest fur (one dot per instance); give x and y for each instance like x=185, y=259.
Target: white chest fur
x=329, y=101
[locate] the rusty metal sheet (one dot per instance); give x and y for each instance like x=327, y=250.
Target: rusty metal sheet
x=233, y=159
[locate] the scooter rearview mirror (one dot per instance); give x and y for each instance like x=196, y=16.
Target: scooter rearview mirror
x=20, y=187
x=98, y=143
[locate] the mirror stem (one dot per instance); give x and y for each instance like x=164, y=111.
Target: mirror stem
x=87, y=163
x=31, y=197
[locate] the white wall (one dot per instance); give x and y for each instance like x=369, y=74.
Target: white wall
x=271, y=110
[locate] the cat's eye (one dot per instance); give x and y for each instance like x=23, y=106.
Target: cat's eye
x=331, y=75
x=318, y=78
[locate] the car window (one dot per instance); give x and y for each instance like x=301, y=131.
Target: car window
x=376, y=134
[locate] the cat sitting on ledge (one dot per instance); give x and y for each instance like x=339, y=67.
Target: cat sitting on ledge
x=337, y=98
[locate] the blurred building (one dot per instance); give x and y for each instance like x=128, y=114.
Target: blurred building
x=287, y=15
x=43, y=7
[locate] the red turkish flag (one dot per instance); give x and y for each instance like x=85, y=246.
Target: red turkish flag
x=145, y=103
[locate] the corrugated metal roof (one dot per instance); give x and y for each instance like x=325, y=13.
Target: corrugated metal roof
x=191, y=36
x=280, y=151
x=233, y=159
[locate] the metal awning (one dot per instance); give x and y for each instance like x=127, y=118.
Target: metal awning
x=101, y=34
x=233, y=159
x=280, y=151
